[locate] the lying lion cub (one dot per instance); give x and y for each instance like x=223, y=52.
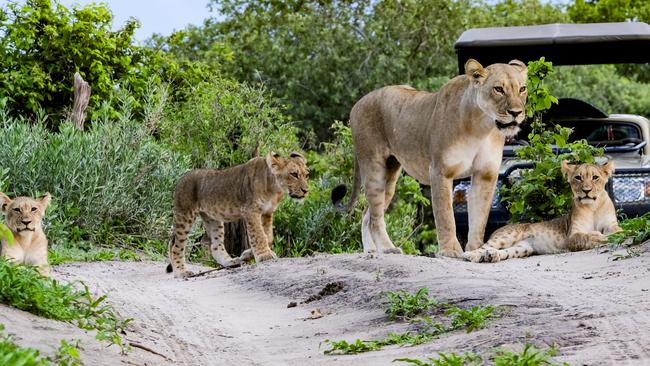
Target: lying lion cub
x=23, y=216
x=591, y=219
x=250, y=191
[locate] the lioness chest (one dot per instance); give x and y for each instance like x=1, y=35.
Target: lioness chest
x=470, y=154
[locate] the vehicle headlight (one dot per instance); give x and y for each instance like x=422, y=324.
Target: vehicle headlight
x=631, y=189
x=461, y=193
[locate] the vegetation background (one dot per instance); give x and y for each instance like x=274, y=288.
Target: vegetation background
x=282, y=74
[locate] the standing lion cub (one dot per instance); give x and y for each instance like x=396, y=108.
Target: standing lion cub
x=249, y=191
x=24, y=216
x=591, y=219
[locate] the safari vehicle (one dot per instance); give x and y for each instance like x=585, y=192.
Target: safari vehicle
x=624, y=137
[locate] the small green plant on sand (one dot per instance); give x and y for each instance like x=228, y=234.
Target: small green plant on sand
x=403, y=304
x=635, y=231
x=530, y=356
x=11, y=354
x=470, y=319
x=446, y=359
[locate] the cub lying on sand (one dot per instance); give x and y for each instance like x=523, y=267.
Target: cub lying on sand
x=591, y=219
x=250, y=191
x=24, y=216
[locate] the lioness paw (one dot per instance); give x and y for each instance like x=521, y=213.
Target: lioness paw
x=266, y=256
x=450, y=253
x=473, y=256
x=393, y=251
x=183, y=275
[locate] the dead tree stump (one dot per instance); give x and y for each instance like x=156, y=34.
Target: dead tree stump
x=81, y=99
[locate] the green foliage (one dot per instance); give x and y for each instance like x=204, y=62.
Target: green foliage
x=470, y=319
x=403, y=304
x=13, y=355
x=316, y=226
x=112, y=182
x=635, y=230
x=68, y=354
x=530, y=356
x=223, y=121
x=23, y=288
x=542, y=192
x=78, y=252
x=446, y=359
x=43, y=44
x=604, y=11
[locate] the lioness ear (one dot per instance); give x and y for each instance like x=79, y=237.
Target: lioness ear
x=299, y=156
x=273, y=161
x=5, y=201
x=608, y=168
x=520, y=66
x=475, y=71
x=567, y=168
x=45, y=200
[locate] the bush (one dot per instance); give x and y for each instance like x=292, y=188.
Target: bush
x=111, y=183
x=223, y=121
x=316, y=225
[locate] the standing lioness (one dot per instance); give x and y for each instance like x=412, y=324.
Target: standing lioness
x=436, y=137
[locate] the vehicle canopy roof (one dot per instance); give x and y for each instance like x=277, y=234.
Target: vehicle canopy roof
x=563, y=44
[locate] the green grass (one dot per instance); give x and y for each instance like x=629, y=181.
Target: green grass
x=403, y=304
x=636, y=230
x=530, y=356
x=446, y=359
x=13, y=355
x=469, y=320
x=23, y=288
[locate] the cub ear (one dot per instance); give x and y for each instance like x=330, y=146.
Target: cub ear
x=476, y=72
x=520, y=66
x=273, y=161
x=567, y=169
x=45, y=200
x=5, y=201
x=608, y=168
x=298, y=156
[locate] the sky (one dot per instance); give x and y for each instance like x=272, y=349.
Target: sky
x=156, y=16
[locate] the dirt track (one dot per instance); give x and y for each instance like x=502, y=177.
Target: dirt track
x=595, y=309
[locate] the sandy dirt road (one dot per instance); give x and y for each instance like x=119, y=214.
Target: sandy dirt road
x=595, y=309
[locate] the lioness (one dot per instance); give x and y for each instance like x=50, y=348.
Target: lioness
x=24, y=216
x=250, y=191
x=591, y=219
x=436, y=137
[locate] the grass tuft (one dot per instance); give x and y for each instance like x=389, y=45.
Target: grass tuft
x=530, y=356
x=403, y=304
x=446, y=359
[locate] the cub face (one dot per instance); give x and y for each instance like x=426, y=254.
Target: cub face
x=24, y=214
x=587, y=181
x=502, y=93
x=291, y=172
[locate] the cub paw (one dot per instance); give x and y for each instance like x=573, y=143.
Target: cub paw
x=491, y=255
x=246, y=255
x=473, y=256
x=231, y=262
x=266, y=256
x=183, y=275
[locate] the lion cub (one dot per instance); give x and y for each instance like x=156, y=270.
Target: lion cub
x=250, y=191
x=23, y=216
x=591, y=219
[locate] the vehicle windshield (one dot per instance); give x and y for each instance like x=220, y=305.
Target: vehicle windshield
x=600, y=133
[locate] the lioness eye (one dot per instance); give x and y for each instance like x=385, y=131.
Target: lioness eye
x=596, y=177
x=498, y=89
x=17, y=209
x=294, y=174
x=522, y=89
x=578, y=178
x=34, y=209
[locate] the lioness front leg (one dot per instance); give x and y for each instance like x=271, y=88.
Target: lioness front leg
x=214, y=229
x=176, y=250
x=443, y=214
x=478, y=209
x=257, y=238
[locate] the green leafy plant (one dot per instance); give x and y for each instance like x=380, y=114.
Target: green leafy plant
x=446, y=359
x=68, y=354
x=470, y=319
x=530, y=356
x=541, y=193
x=23, y=288
x=403, y=304
x=635, y=230
x=13, y=355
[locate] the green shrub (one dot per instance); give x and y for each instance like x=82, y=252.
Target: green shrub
x=23, y=288
x=13, y=355
x=636, y=230
x=112, y=182
x=223, y=121
x=530, y=356
x=446, y=359
x=542, y=192
x=406, y=305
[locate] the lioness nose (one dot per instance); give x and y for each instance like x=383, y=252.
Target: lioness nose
x=25, y=222
x=514, y=112
x=586, y=190
x=304, y=190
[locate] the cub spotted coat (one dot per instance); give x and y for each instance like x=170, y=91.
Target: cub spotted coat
x=591, y=219
x=249, y=191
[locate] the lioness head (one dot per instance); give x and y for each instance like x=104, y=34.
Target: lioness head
x=291, y=172
x=501, y=91
x=24, y=214
x=587, y=181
